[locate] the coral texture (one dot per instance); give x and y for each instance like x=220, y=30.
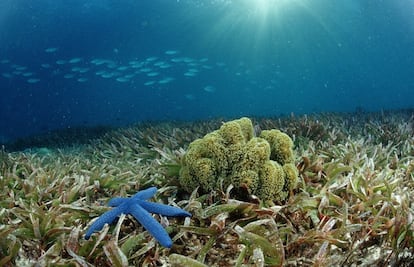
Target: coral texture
x=264, y=165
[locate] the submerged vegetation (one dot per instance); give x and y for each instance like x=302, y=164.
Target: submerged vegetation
x=353, y=205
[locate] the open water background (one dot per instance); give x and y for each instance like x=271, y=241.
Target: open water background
x=70, y=63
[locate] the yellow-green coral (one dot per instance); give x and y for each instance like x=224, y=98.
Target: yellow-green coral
x=232, y=155
x=272, y=180
x=280, y=146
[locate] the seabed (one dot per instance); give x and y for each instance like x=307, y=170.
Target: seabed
x=353, y=205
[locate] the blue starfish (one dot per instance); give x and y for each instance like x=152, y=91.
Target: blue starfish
x=138, y=207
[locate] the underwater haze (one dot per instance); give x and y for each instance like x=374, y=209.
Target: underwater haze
x=104, y=62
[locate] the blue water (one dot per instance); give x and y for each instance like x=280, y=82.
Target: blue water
x=85, y=63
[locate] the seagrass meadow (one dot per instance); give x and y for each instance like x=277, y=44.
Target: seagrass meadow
x=353, y=205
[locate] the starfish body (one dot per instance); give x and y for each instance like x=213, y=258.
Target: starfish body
x=138, y=207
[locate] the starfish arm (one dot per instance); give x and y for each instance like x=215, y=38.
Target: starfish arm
x=145, y=194
x=152, y=226
x=107, y=217
x=163, y=209
x=116, y=201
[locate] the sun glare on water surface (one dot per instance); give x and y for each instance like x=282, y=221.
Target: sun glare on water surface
x=265, y=7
